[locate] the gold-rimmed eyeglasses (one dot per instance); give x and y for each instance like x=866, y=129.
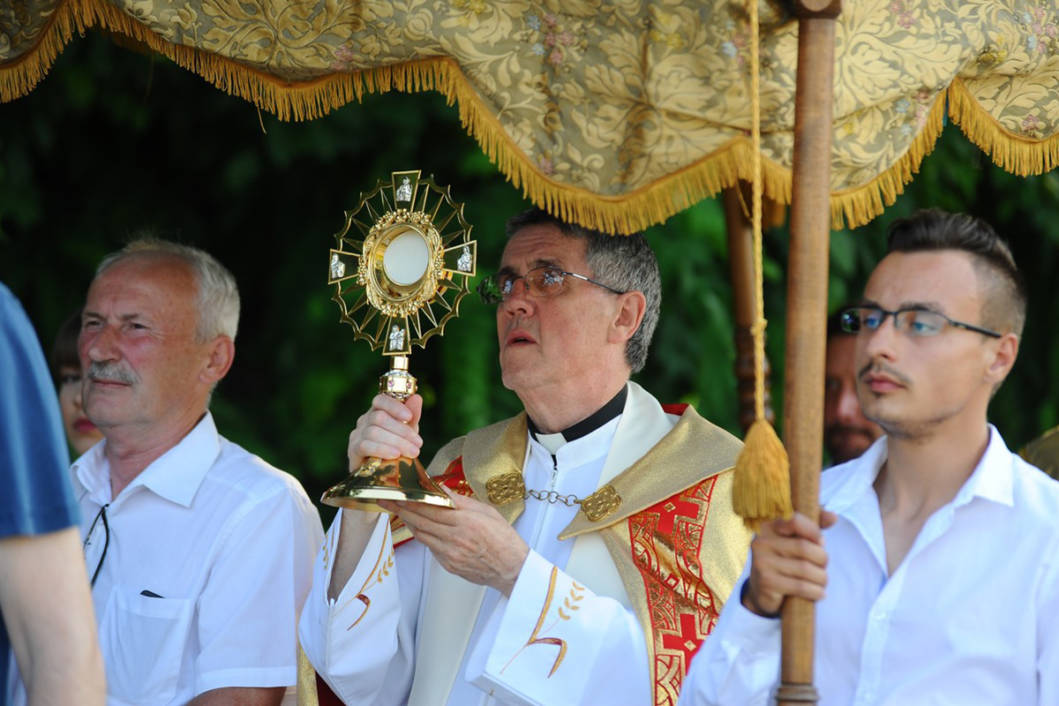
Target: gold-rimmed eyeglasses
x=542, y=282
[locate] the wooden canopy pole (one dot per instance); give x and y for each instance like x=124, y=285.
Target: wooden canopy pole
x=807, y=312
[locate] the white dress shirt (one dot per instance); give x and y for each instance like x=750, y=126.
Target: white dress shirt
x=208, y=562
x=366, y=650
x=970, y=616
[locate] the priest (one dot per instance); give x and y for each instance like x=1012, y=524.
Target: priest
x=592, y=544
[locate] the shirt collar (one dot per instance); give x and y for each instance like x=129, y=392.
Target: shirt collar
x=991, y=479
x=175, y=475
x=93, y=473
x=586, y=426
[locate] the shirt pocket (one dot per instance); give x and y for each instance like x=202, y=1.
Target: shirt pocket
x=145, y=639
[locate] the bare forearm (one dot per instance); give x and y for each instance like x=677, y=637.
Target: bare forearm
x=54, y=683
x=353, y=537
x=240, y=696
x=56, y=650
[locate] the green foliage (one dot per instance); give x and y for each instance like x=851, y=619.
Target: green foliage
x=112, y=142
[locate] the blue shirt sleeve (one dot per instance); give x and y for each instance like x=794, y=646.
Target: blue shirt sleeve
x=36, y=494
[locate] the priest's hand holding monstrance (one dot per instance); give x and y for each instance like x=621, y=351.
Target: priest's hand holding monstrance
x=400, y=267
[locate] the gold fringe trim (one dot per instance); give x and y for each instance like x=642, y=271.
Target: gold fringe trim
x=19, y=77
x=306, y=100
x=627, y=213
x=855, y=207
x=1014, y=153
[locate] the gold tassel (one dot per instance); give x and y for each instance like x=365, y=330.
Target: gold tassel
x=761, y=486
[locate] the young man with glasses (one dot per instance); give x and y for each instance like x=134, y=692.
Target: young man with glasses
x=597, y=543
x=941, y=565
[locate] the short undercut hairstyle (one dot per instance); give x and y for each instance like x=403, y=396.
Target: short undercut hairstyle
x=217, y=302
x=1000, y=282
x=624, y=262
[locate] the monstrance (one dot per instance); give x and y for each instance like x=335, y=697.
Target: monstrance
x=402, y=264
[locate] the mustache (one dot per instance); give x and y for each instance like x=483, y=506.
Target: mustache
x=111, y=372
x=877, y=367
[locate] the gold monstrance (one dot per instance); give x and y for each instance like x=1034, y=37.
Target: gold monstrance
x=399, y=277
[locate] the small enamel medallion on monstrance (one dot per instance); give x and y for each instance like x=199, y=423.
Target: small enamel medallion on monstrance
x=400, y=267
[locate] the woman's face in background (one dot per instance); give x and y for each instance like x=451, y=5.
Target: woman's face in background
x=81, y=433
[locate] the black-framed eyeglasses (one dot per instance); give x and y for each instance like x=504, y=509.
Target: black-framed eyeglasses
x=542, y=282
x=101, y=515
x=913, y=320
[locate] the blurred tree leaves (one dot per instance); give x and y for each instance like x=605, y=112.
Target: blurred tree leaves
x=115, y=141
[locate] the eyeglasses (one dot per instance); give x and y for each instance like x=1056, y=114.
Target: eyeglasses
x=102, y=514
x=915, y=321
x=541, y=282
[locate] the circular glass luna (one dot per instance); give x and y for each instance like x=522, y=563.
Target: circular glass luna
x=406, y=258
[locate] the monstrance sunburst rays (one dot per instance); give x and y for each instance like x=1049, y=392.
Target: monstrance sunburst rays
x=403, y=262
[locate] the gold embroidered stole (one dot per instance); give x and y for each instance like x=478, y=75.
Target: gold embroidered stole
x=674, y=541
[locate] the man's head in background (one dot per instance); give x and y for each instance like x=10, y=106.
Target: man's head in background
x=847, y=433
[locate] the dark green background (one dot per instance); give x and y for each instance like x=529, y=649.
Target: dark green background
x=114, y=141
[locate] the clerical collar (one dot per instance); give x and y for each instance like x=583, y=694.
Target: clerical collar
x=583, y=428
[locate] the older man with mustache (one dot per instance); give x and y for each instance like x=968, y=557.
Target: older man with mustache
x=942, y=561
x=199, y=553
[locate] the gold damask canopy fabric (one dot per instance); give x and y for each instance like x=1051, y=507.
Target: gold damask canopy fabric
x=617, y=113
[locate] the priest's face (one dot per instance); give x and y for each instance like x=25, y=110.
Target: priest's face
x=548, y=343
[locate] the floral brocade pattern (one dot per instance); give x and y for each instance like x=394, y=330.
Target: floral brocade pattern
x=609, y=100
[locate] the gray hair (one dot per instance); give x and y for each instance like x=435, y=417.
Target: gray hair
x=218, y=295
x=624, y=262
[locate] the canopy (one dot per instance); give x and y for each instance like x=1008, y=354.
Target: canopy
x=615, y=114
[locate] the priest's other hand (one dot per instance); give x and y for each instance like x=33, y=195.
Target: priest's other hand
x=471, y=540
x=388, y=430
x=787, y=559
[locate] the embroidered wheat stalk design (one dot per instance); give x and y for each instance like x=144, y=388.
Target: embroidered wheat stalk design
x=570, y=604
